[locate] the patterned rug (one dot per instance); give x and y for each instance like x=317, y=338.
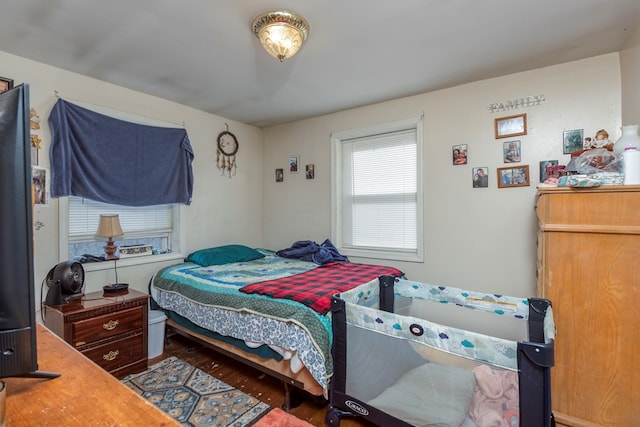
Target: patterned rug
x=195, y=398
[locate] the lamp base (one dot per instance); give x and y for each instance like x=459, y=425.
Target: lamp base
x=110, y=250
x=115, y=287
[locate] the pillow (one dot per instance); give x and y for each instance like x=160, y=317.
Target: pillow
x=223, y=255
x=431, y=394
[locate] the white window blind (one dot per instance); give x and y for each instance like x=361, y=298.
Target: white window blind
x=84, y=216
x=377, y=191
x=380, y=191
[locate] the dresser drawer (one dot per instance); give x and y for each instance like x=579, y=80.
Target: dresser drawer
x=118, y=353
x=106, y=326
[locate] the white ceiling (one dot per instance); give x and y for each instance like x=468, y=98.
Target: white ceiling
x=203, y=54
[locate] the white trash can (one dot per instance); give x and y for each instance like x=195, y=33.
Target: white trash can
x=156, y=333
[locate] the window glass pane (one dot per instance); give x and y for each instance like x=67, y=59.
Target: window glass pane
x=148, y=225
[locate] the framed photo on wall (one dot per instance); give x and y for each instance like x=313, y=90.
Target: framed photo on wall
x=515, y=176
x=310, y=171
x=511, y=151
x=5, y=84
x=459, y=153
x=279, y=175
x=40, y=184
x=480, y=177
x=294, y=163
x=506, y=127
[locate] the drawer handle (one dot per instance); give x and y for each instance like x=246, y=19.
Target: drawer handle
x=111, y=355
x=111, y=325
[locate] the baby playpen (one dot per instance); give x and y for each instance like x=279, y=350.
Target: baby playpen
x=393, y=367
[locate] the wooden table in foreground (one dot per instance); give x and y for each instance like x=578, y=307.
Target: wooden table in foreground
x=83, y=395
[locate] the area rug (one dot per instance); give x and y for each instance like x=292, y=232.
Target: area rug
x=279, y=418
x=194, y=398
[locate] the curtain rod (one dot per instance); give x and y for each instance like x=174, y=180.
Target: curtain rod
x=126, y=114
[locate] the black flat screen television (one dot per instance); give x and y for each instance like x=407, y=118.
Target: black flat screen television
x=17, y=306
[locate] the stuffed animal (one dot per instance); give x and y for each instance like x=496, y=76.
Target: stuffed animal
x=495, y=401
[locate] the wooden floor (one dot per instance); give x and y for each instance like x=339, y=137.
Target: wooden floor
x=247, y=379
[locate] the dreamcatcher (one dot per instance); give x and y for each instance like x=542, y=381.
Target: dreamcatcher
x=227, y=149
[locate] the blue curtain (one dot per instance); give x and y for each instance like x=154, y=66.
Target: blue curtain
x=118, y=162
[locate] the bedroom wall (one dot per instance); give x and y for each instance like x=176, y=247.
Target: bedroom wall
x=630, y=71
x=479, y=239
x=223, y=210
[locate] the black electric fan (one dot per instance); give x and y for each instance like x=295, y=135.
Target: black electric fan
x=65, y=282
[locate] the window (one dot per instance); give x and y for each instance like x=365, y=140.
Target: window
x=152, y=225
x=377, y=195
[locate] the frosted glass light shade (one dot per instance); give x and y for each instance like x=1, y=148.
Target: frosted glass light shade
x=281, y=33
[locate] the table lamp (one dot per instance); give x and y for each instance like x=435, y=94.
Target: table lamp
x=109, y=227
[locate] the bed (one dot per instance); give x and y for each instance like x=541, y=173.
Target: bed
x=395, y=366
x=268, y=311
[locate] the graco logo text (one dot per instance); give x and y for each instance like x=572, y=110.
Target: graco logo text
x=357, y=407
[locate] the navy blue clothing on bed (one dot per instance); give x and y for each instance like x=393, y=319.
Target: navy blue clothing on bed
x=118, y=162
x=308, y=250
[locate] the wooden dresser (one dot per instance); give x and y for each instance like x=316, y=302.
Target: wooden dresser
x=589, y=267
x=110, y=329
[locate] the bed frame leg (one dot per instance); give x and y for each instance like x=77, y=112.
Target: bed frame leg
x=292, y=398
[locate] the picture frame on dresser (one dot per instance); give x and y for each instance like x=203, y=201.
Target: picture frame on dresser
x=572, y=141
x=544, y=168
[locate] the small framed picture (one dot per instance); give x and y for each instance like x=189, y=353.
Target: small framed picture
x=5, y=84
x=309, y=171
x=40, y=184
x=511, y=150
x=459, y=154
x=480, y=177
x=515, y=176
x=506, y=127
x=545, y=168
x=279, y=175
x=294, y=162
x=572, y=141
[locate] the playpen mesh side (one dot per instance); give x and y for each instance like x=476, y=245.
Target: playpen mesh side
x=426, y=373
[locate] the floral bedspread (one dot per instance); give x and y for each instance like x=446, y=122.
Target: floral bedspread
x=210, y=298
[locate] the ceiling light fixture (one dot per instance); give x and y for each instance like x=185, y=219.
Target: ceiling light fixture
x=281, y=33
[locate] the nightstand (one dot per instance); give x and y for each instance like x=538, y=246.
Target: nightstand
x=111, y=329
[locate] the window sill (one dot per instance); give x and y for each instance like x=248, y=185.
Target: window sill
x=127, y=262
x=381, y=254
